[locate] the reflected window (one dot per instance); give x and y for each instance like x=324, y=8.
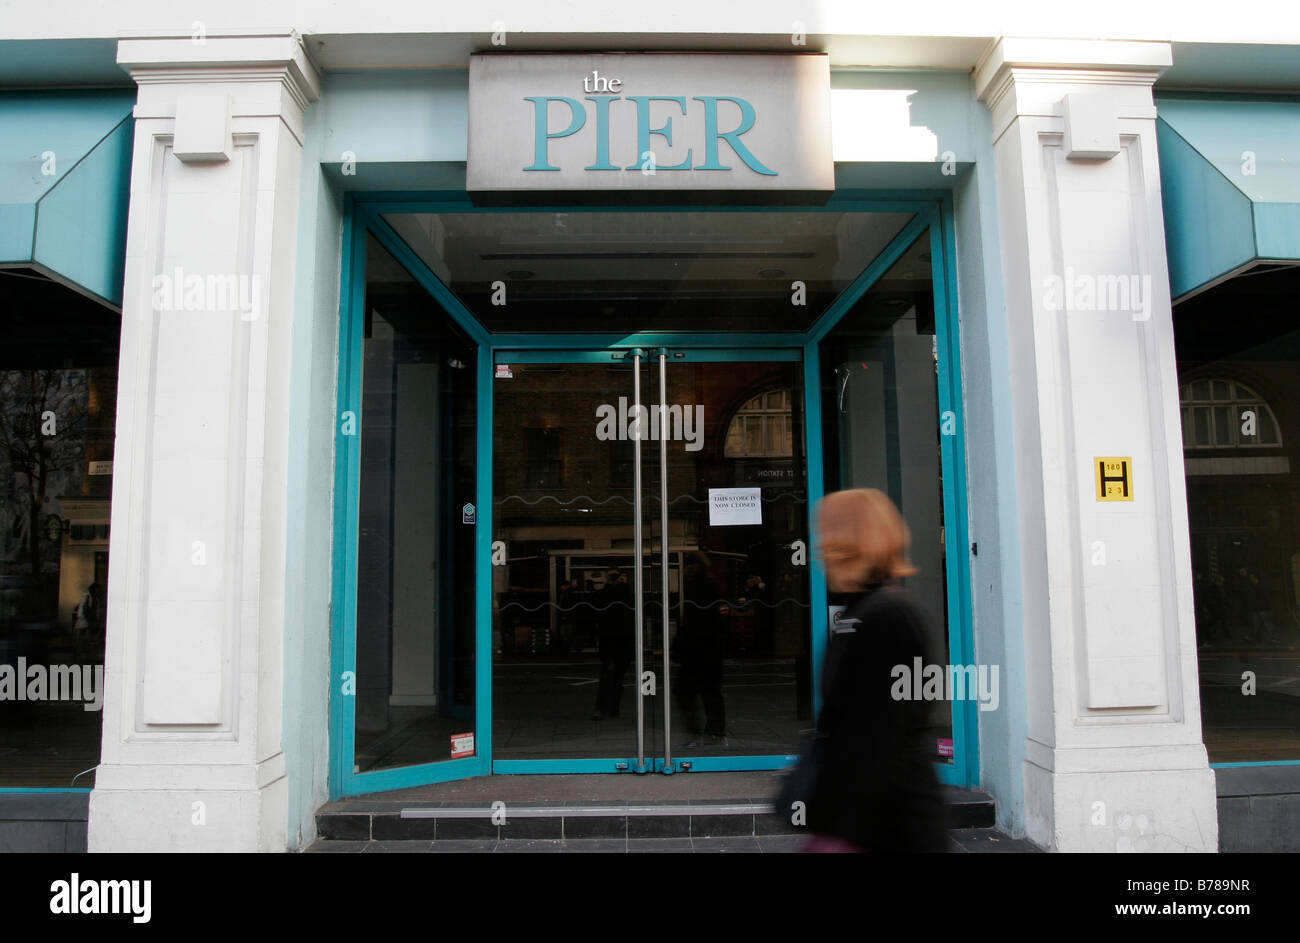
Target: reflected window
x=1224, y=414
x=58, y=407
x=1243, y=509
x=762, y=427
x=544, y=457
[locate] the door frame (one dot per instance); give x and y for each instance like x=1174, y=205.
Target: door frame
x=363, y=215
x=542, y=352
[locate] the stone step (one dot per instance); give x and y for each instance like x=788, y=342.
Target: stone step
x=382, y=819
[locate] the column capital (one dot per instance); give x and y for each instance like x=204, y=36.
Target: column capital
x=231, y=56
x=1020, y=76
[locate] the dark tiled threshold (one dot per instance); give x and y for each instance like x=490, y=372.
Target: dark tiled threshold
x=975, y=840
x=539, y=820
x=43, y=822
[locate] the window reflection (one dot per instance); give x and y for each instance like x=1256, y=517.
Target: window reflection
x=58, y=405
x=880, y=409
x=1238, y=395
x=415, y=547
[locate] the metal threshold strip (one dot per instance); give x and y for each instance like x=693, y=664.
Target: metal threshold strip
x=589, y=811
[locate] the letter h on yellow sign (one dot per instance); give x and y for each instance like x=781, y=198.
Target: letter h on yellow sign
x=1114, y=478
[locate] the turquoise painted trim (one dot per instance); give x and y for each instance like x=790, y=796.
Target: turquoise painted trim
x=404, y=777
x=1229, y=189
x=938, y=220
x=344, y=781
x=1209, y=229
x=483, y=690
x=754, y=342
x=17, y=231
x=1164, y=96
x=49, y=63
x=730, y=764
x=64, y=193
x=952, y=774
x=81, y=220
x=347, y=453
x=946, y=773
x=961, y=643
x=451, y=202
x=605, y=354
x=818, y=618
x=601, y=765
x=1261, y=763
x=1255, y=145
x=69, y=123
x=932, y=209
x=1277, y=230
x=819, y=598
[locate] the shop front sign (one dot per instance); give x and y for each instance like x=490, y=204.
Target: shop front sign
x=650, y=122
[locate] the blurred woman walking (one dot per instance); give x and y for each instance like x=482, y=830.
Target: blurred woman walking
x=873, y=788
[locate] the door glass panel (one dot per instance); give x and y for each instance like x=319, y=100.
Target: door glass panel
x=563, y=612
x=739, y=616
x=563, y=609
x=880, y=408
x=415, y=550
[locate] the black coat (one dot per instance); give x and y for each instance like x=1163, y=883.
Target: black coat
x=876, y=786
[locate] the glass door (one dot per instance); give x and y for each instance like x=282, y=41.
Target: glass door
x=613, y=647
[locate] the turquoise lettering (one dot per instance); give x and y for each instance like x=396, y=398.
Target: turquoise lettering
x=602, y=132
x=541, y=127
x=712, y=135
x=643, y=129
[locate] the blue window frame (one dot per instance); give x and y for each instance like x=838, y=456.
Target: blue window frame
x=363, y=215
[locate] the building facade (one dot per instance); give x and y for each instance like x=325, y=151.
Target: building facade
x=417, y=395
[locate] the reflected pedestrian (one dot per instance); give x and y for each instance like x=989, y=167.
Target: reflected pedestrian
x=615, y=634
x=700, y=647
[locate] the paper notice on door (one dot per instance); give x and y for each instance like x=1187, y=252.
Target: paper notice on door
x=728, y=506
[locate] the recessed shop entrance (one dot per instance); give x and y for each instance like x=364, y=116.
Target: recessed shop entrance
x=577, y=456
x=615, y=647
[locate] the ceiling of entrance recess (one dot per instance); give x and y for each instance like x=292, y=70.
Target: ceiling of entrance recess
x=713, y=270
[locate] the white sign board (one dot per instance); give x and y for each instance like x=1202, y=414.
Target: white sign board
x=837, y=622
x=638, y=121
x=728, y=506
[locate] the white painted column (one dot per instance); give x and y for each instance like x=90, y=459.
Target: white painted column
x=1114, y=759
x=192, y=757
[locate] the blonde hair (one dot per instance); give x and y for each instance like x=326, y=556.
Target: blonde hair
x=863, y=529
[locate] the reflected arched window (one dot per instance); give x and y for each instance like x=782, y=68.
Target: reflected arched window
x=1224, y=414
x=762, y=427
